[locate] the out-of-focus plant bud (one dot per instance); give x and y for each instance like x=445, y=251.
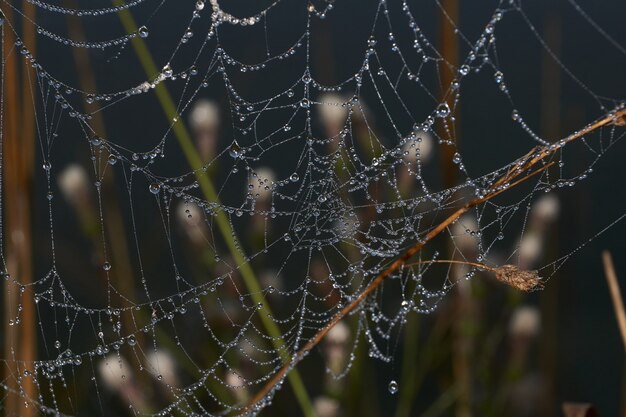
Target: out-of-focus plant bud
x=74, y=184
x=116, y=375
x=419, y=148
x=270, y=280
x=262, y=182
x=546, y=209
x=347, y=227
x=163, y=367
x=525, y=322
x=333, y=113
x=326, y=407
x=542, y=214
x=336, y=347
x=237, y=385
x=192, y=220
x=114, y=372
x=530, y=249
x=204, y=120
x=464, y=234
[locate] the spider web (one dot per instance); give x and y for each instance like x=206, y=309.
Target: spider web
x=186, y=265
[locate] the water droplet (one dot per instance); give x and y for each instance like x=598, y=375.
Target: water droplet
x=464, y=70
x=106, y=266
x=294, y=177
x=515, y=115
x=96, y=141
x=143, y=32
x=498, y=76
x=47, y=166
x=132, y=341
x=155, y=188
x=456, y=158
x=199, y=5
x=167, y=71
x=234, y=151
x=443, y=110
x=393, y=387
x=112, y=160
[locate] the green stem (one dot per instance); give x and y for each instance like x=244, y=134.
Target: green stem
x=409, y=362
x=194, y=160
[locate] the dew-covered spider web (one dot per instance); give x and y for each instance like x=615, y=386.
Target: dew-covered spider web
x=211, y=187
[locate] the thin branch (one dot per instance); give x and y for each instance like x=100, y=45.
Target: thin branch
x=507, y=181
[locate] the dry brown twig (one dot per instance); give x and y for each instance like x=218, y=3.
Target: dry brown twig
x=508, y=273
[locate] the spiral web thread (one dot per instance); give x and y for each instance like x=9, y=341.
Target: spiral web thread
x=275, y=228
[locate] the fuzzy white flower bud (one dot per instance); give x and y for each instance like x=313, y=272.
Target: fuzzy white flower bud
x=423, y=143
x=205, y=115
x=546, y=209
x=326, y=407
x=163, y=367
x=74, y=184
x=525, y=322
x=333, y=112
x=114, y=372
x=262, y=184
x=192, y=221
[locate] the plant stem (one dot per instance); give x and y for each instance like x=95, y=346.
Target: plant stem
x=194, y=160
x=511, y=177
x=409, y=376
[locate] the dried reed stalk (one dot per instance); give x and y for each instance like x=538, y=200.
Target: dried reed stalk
x=509, y=180
x=616, y=297
x=18, y=138
x=464, y=306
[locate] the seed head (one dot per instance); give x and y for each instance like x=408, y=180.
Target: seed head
x=517, y=278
